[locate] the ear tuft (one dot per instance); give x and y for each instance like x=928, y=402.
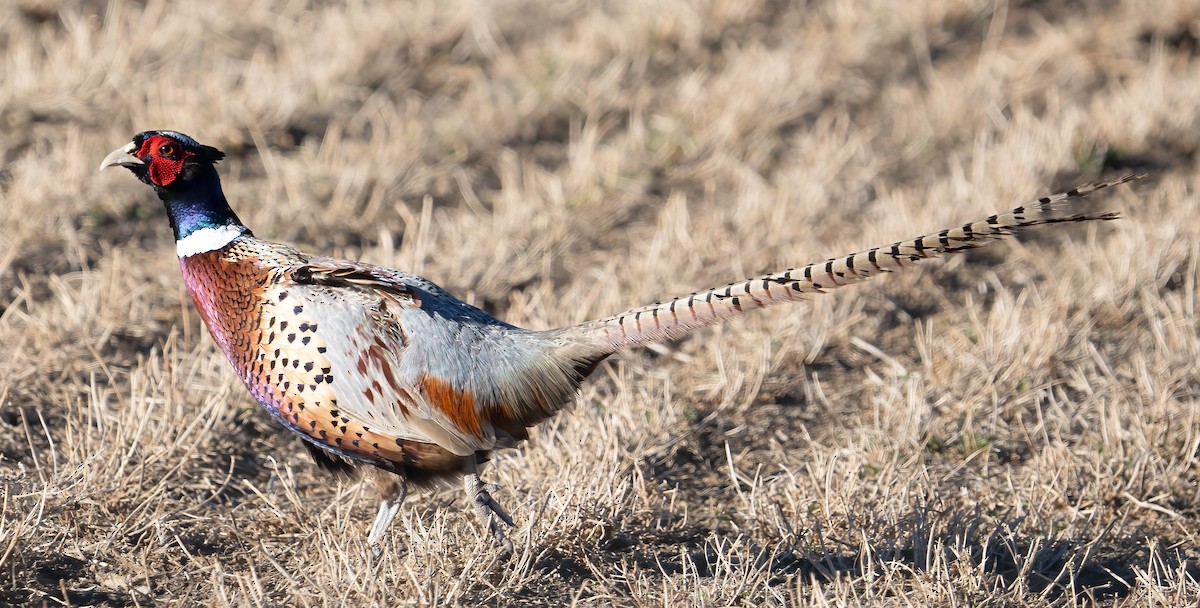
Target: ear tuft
x=209, y=153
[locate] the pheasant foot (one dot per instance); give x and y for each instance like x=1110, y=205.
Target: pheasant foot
x=486, y=507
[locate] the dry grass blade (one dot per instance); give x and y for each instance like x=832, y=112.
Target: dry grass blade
x=1017, y=426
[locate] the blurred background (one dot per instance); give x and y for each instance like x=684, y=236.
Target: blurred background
x=1016, y=427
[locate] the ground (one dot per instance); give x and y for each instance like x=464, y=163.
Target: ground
x=1016, y=426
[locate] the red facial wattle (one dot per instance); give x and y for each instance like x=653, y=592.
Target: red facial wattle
x=164, y=159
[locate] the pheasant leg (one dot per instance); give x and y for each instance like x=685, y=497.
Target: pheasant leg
x=393, y=496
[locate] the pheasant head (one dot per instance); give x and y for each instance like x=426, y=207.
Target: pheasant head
x=182, y=172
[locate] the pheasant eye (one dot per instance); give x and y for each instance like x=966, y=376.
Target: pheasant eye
x=166, y=150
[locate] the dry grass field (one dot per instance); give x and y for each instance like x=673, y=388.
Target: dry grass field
x=1016, y=426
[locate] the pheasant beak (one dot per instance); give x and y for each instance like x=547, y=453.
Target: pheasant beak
x=121, y=157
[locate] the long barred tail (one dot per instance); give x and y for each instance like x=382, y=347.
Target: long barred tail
x=676, y=317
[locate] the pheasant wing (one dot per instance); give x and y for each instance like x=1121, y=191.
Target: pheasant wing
x=351, y=343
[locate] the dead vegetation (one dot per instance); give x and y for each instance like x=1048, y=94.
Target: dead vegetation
x=1018, y=427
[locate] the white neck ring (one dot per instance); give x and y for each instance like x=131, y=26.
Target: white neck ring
x=204, y=240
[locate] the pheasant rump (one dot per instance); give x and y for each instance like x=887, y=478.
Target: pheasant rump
x=376, y=366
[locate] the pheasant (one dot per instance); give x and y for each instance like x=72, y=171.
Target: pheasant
x=376, y=366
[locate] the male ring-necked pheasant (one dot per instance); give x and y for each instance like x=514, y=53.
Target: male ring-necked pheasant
x=375, y=366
